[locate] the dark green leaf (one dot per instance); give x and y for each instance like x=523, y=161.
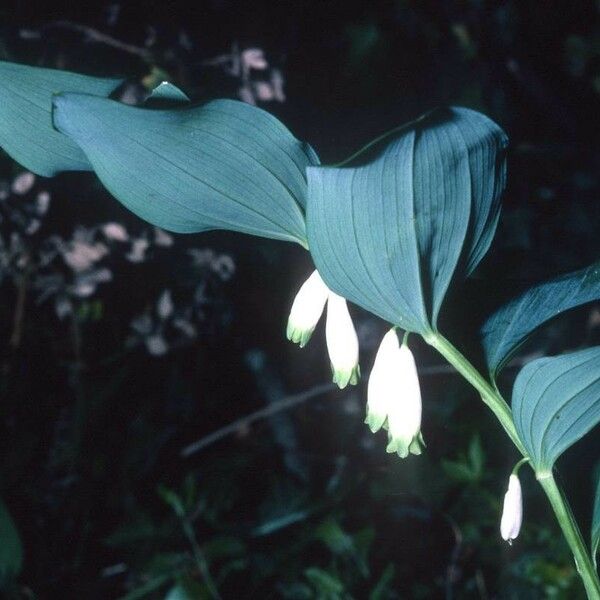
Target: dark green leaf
x=510, y=326
x=383, y=587
x=187, y=589
x=334, y=537
x=147, y=588
x=390, y=234
x=224, y=165
x=327, y=585
x=11, y=550
x=26, y=130
x=476, y=456
x=459, y=471
x=556, y=401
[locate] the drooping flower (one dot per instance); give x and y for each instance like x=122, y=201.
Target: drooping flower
x=342, y=341
x=394, y=397
x=306, y=310
x=512, y=512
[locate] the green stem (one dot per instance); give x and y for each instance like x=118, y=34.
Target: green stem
x=488, y=394
x=570, y=529
x=492, y=397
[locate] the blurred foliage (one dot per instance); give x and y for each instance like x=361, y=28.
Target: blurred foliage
x=112, y=366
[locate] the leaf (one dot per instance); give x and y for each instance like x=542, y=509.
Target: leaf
x=476, y=456
x=458, y=471
x=168, y=92
x=223, y=165
x=384, y=586
x=596, y=523
x=327, y=585
x=334, y=537
x=11, y=549
x=390, y=234
x=187, y=589
x=147, y=588
x=509, y=327
x=26, y=131
x=556, y=401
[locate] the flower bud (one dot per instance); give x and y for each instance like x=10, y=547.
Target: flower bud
x=512, y=512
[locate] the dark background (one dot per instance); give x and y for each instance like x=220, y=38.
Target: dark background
x=306, y=503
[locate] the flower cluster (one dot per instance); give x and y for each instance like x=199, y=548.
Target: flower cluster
x=342, y=341
x=394, y=396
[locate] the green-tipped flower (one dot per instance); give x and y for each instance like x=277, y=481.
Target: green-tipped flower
x=394, y=397
x=342, y=341
x=307, y=309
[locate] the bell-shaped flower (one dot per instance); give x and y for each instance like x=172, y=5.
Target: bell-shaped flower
x=512, y=512
x=394, y=397
x=342, y=342
x=306, y=310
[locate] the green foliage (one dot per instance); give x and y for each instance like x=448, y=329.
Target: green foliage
x=11, y=550
x=509, y=327
x=224, y=165
x=26, y=130
x=390, y=235
x=469, y=467
x=556, y=401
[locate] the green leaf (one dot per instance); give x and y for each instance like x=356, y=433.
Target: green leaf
x=187, y=589
x=147, y=588
x=509, y=327
x=390, y=233
x=334, y=537
x=168, y=92
x=11, y=550
x=223, y=165
x=596, y=523
x=556, y=401
x=384, y=586
x=476, y=456
x=26, y=130
x=327, y=585
x=459, y=471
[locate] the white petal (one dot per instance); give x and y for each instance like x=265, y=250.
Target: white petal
x=382, y=390
x=512, y=512
x=306, y=309
x=342, y=342
x=404, y=414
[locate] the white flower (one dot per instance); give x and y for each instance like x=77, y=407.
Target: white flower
x=394, y=397
x=342, y=341
x=306, y=310
x=512, y=512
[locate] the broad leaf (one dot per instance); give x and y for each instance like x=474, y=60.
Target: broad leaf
x=26, y=130
x=556, y=401
x=509, y=327
x=391, y=233
x=168, y=91
x=596, y=522
x=223, y=165
x=11, y=551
